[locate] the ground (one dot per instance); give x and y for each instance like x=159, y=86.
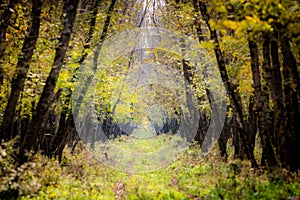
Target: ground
x=191, y=176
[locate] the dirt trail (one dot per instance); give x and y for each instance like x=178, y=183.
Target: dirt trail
x=119, y=190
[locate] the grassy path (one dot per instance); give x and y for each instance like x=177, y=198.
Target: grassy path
x=189, y=177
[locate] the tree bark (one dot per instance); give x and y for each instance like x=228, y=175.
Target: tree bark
x=225, y=136
x=48, y=96
x=22, y=68
x=251, y=124
x=262, y=102
x=289, y=133
x=273, y=77
x=290, y=63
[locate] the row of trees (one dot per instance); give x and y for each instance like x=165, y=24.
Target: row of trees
x=255, y=43
x=269, y=29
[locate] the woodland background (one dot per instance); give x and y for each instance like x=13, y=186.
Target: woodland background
x=256, y=45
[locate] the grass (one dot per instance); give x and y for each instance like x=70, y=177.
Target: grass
x=140, y=155
x=191, y=176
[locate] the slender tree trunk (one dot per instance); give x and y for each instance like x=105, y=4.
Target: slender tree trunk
x=262, y=101
x=87, y=44
x=228, y=86
x=225, y=135
x=215, y=117
x=67, y=133
x=251, y=124
x=48, y=96
x=273, y=75
x=274, y=81
x=197, y=21
x=62, y=136
x=22, y=68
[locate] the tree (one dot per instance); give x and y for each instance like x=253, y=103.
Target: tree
x=262, y=105
x=48, y=96
x=271, y=27
x=228, y=85
x=22, y=67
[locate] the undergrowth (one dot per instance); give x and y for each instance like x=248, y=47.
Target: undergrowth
x=80, y=176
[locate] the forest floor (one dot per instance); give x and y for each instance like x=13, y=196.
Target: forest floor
x=81, y=176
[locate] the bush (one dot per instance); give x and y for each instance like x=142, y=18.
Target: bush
x=27, y=179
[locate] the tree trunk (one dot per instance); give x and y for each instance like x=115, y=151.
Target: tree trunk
x=273, y=77
x=87, y=44
x=66, y=135
x=262, y=101
x=251, y=124
x=289, y=61
x=289, y=134
x=94, y=9
x=22, y=68
x=215, y=117
x=48, y=96
x=224, y=137
x=228, y=86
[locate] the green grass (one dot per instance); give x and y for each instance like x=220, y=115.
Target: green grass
x=189, y=177
x=140, y=155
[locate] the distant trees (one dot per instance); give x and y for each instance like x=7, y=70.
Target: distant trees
x=44, y=114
